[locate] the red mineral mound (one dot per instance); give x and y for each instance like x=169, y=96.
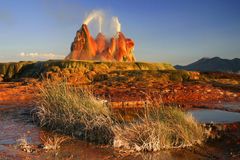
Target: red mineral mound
x=101, y=43
x=117, y=48
x=84, y=46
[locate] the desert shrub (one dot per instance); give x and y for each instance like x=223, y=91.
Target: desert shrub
x=54, y=69
x=175, y=77
x=159, y=128
x=135, y=73
x=24, y=145
x=74, y=111
x=100, y=77
x=53, y=142
x=185, y=75
x=120, y=78
x=179, y=75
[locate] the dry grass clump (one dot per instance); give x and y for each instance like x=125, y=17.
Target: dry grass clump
x=23, y=144
x=159, y=128
x=74, y=111
x=53, y=142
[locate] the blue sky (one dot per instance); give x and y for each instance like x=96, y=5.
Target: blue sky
x=174, y=31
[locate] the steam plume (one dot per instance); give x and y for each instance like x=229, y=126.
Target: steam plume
x=100, y=19
x=116, y=24
x=96, y=14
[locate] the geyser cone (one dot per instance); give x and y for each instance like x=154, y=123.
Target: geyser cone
x=101, y=43
x=121, y=35
x=121, y=47
x=85, y=30
x=84, y=46
x=124, y=48
x=112, y=46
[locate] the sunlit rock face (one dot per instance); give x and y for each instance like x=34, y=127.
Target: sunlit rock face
x=85, y=47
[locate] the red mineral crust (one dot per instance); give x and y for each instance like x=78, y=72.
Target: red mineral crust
x=85, y=47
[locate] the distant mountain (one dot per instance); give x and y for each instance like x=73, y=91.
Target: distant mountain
x=213, y=64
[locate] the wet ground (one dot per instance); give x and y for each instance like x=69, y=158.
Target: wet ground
x=16, y=123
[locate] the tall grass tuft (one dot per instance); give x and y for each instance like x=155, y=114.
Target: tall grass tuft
x=74, y=111
x=159, y=128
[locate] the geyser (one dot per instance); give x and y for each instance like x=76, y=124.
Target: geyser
x=115, y=48
x=96, y=14
x=116, y=24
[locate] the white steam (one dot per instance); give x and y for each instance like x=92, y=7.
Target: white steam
x=97, y=15
x=116, y=24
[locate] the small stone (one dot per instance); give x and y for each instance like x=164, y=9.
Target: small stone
x=209, y=90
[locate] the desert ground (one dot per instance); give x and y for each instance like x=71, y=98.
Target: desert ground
x=212, y=97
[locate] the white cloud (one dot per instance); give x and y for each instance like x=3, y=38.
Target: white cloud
x=35, y=55
x=22, y=54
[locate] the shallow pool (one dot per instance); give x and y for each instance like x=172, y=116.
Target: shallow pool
x=215, y=116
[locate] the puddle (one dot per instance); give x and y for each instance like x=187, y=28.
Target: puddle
x=215, y=116
x=14, y=124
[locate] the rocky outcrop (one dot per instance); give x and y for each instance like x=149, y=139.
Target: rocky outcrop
x=85, y=47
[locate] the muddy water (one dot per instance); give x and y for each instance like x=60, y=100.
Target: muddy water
x=17, y=122
x=14, y=124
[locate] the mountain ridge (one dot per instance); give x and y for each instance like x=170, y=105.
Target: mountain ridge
x=215, y=64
